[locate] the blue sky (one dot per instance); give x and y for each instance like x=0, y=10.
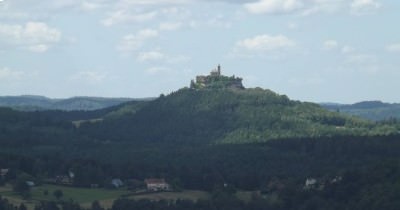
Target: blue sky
x=311, y=50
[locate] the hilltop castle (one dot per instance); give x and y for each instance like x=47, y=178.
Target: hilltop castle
x=216, y=80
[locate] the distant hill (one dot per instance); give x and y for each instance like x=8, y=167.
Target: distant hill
x=218, y=109
x=225, y=115
x=216, y=136
x=35, y=103
x=372, y=110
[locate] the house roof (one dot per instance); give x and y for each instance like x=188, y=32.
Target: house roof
x=117, y=182
x=30, y=183
x=155, y=181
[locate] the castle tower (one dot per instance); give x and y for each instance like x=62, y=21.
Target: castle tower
x=219, y=70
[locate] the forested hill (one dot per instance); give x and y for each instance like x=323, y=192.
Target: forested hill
x=34, y=103
x=372, y=110
x=226, y=115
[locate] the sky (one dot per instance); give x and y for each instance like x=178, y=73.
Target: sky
x=310, y=50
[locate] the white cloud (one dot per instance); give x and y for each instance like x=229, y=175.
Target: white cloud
x=219, y=21
x=347, y=49
x=393, y=47
x=326, y=6
x=90, y=6
x=156, y=55
x=265, y=43
x=359, y=63
x=125, y=3
x=362, y=59
x=38, y=48
x=308, y=7
x=335, y=45
x=124, y=16
x=330, y=44
x=133, y=42
x=263, y=46
x=361, y=7
x=150, y=56
x=133, y=11
x=157, y=70
x=91, y=77
x=274, y=6
x=170, y=26
x=6, y=73
x=34, y=36
x=147, y=33
x=293, y=26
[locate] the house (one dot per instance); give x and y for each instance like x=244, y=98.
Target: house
x=117, y=183
x=157, y=185
x=4, y=172
x=63, y=179
x=310, y=183
x=30, y=183
x=71, y=174
x=336, y=179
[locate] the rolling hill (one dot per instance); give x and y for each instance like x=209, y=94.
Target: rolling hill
x=226, y=115
x=372, y=110
x=207, y=137
x=34, y=103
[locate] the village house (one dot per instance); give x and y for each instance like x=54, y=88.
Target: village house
x=117, y=183
x=4, y=172
x=63, y=179
x=157, y=185
x=336, y=179
x=310, y=183
x=71, y=174
x=320, y=184
x=30, y=183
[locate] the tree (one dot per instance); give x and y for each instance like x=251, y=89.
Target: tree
x=96, y=205
x=58, y=194
x=21, y=187
x=22, y=207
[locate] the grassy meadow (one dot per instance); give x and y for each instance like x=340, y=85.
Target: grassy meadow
x=85, y=196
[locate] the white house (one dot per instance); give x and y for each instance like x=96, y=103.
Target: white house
x=157, y=185
x=4, y=171
x=117, y=183
x=310, y=183
x=30, y=183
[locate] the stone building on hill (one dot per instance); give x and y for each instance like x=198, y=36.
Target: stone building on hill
x=216, y=80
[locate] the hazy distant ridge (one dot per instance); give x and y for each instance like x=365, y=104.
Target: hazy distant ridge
x=32, y=103
x=373, y=110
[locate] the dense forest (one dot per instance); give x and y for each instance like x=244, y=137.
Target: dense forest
x=219, y=141
x=229, y=116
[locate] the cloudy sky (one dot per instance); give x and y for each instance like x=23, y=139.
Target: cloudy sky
x=311, y=50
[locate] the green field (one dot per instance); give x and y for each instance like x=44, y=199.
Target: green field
x=79, y=195
x=85, y=196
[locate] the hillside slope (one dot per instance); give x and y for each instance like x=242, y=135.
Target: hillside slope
x=227, y=116
x=34, y=103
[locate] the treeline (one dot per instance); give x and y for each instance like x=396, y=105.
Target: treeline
x=372, y=187
x=247, y=166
